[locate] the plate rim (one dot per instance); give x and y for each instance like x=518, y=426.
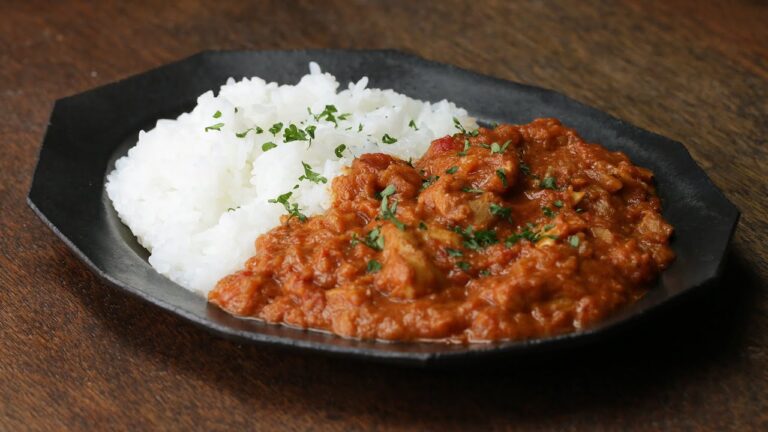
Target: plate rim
x=368, y=352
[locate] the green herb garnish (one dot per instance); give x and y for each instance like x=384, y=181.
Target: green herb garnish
x=525, y=168
x=454, y=252
x=529, y=234
x=374, y=239
x=500, y=173
x=452, y=170
x=412, y=125
x=329, y=114
x=268, y=146
x=558, y=204
x=476, y=239
x=574, y=241
x=548, y=212
x=311, y=131
x=293, y=133
x=339, y=150
x=217, y=114
x=386, y=139
x=389, y=212
x=256, y=130
x=548, y=183
x=276, y=128
x=373, y=266
x=291, y=208
x=496, y=148
x=463, y=265
x=500, y=211
x=472, y=190
x=312, y=176
x=216, y=127
x=465, y=150
x=428, y=181
x=457, y=124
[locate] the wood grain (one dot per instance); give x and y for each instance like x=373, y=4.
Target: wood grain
x=76, y=354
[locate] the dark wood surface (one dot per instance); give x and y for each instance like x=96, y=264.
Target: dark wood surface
x=76, y=354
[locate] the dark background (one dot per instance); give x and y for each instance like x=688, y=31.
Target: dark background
x=76, y=353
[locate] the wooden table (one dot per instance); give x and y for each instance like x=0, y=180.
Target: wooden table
x=77, y=354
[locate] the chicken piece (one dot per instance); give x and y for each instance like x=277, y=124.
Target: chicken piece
x=407, y=272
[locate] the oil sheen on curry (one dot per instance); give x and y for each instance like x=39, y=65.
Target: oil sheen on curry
x=515, y=232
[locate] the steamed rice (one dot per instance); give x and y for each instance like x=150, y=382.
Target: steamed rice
x=197, y=199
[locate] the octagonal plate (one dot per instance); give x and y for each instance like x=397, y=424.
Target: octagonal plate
x=89, y=131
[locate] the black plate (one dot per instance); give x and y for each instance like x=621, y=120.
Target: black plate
x=88, y=131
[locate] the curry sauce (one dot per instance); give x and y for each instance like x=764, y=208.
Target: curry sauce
x=515, y=232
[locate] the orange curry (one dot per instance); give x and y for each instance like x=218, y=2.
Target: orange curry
x=513, y=232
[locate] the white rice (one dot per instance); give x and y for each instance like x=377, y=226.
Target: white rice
x=197, y=200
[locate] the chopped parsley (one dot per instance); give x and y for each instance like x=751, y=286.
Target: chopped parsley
x=339, y=150
x=293, y=133
x=276, y=128
x=389, y=190
x=463, y=265
x=374, y=239
x=217, y=114
x=500, y=211
x=500, y=173
x=312, y=176
x=484, y=273
x=412, y=125
x=496, y=148
x=454, y=252
x=422, y=226
x=452, y=170
x=457, y=124
x=329, y=114
x=216, y=127
x=359, y=127
x=428, y=181
x=525, y=168
x=465, y=150
x=472, y=190
x=476, y=239
x=311, y=131
x=386, y=139
x=373, y=266
x=548, y=183
x=268, y=146
x=291, y=208
x=548, y=212
x=574, y=241
x=389, y=212
x=529, y=234
x=558, y=204
x=256, y=129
